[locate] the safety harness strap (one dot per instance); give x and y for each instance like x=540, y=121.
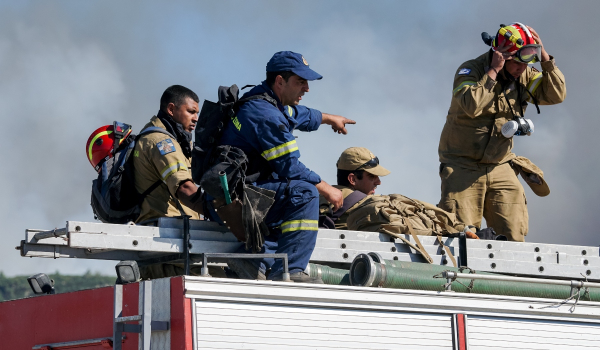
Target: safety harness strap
x=349, y=202
x=447, y=249
x=421, y=248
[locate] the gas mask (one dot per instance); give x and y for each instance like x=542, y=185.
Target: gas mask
x=519, y=126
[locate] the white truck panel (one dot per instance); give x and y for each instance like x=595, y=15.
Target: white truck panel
x=234, y=314
x=525, y=334
x=228, y=325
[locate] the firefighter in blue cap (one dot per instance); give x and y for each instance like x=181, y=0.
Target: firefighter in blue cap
x=264, y=132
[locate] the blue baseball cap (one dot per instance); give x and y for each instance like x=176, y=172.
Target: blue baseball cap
x=288, y=61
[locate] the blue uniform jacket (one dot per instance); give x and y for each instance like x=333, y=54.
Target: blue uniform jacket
x=263, y=131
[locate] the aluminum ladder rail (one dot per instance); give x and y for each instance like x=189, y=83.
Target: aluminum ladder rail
x=337, y=248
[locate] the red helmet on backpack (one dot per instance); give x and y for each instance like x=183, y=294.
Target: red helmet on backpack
x=100, y=146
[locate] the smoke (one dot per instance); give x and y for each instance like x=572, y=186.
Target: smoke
x=67, y=68
x=54, y=93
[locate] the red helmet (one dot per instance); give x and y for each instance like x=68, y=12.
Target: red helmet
x=100, y=145
x=525, y=48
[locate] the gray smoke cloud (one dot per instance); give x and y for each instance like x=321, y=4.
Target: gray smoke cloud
x=67, y=68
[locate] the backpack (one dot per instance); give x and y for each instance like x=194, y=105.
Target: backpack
x=114, y=197
x=398, y=215
x=327, y=220
x=392, y=212
x=213, y=118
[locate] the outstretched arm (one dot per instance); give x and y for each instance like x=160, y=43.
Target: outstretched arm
x=337, y=122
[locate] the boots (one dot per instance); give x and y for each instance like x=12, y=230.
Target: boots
x=300, y=277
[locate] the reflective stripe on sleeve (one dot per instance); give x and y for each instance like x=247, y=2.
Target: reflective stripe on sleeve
x=462, y=85
x=300, y=225
x=171, y=168
x=280, y=150
x=534, y=83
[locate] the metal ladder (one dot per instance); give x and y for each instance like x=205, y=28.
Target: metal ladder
x=144, y=327
x=337, y=248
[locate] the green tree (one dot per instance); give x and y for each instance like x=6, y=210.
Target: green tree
x=17, y=287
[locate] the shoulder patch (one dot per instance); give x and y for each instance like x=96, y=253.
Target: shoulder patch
x=165, y=146
x=464, y=71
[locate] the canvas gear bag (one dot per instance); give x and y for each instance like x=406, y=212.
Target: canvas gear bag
x=398, y=215
x=213, y=118
x=245, y=214
x=114, y=197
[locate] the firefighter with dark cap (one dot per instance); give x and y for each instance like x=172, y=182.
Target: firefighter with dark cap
x=358, y=175
x=264, y=132
x=490, y=95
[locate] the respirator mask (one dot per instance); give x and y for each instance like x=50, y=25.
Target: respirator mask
x=519, y=126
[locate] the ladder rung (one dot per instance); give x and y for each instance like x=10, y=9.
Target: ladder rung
x=128, y=319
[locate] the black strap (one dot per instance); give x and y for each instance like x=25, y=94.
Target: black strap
x=535, y=101
x=149, y=190
x=157, y=183
x=349, y=202
x=264, y=96
x=152, y=129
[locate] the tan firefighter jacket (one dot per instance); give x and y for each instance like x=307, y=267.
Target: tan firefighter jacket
x=472, y=134
x=159, y=157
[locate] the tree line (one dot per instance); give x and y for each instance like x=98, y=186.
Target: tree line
x=17, y=287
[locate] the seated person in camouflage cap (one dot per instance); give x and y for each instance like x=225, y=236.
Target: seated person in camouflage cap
x=358, y=171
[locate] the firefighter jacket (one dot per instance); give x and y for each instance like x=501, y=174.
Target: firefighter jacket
x=158, y=157
x=472, y=134
x=264, y=133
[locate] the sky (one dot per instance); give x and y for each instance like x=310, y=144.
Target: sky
x=69, y=67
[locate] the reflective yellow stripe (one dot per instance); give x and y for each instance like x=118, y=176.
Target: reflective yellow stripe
x=290, y=111
x=462, y=85
x=171, y=168
x=280, y=150
x=106, y=132
x=534, y=83
x=300, y=225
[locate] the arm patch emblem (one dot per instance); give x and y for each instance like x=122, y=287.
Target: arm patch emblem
x=165, y=147
x=464, y=71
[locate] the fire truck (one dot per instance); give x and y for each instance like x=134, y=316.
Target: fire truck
x=379, y=293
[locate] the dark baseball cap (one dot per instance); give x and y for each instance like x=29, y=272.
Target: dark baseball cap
x=288, y=61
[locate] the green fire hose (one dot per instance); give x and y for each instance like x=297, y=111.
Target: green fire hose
x=376, y=272
x=329, y=275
